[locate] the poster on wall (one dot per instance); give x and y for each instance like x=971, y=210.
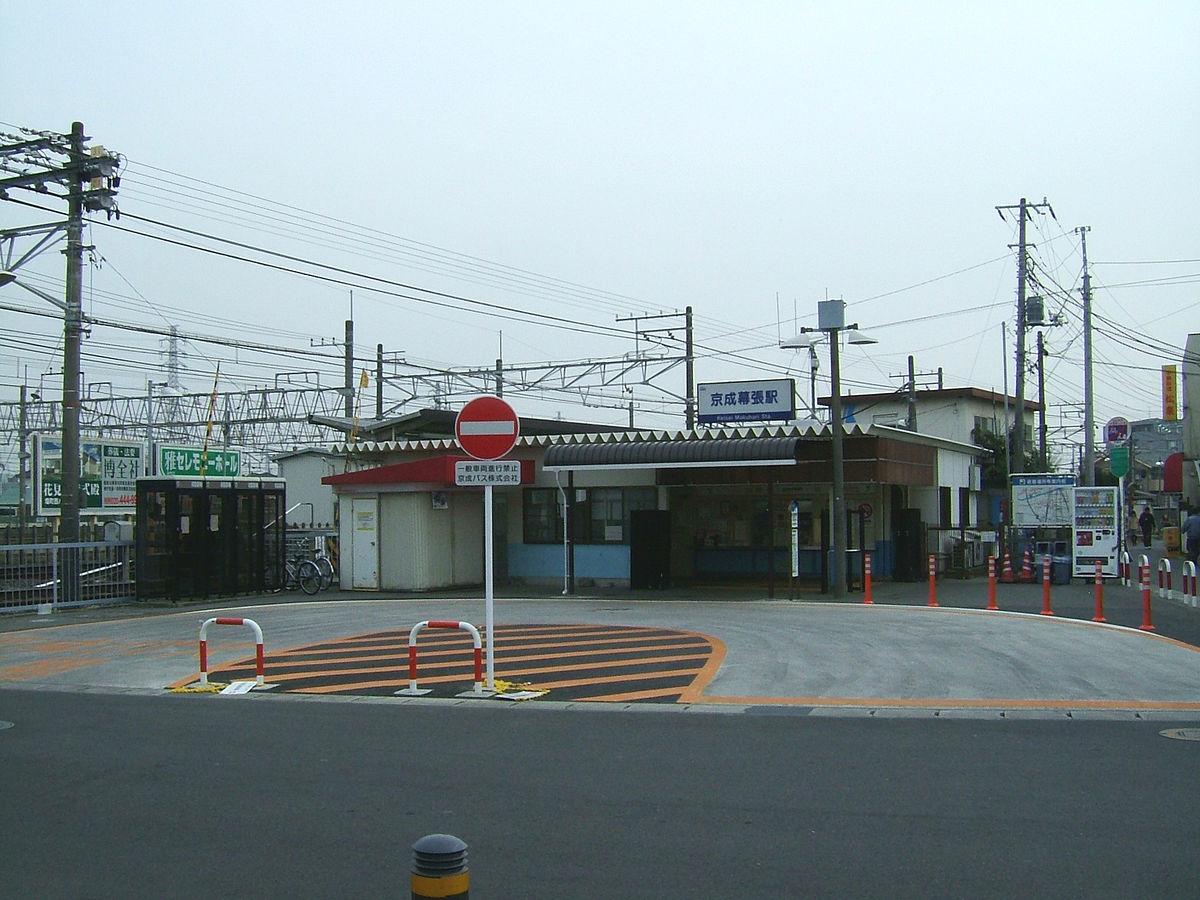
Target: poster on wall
x=108, y=474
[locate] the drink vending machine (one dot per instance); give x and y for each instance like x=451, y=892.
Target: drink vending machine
x=1097, y=531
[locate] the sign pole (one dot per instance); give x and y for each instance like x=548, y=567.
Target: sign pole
x=487, y=590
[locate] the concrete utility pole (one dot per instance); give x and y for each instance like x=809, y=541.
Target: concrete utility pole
x=349, y=366
x=912, y=394
x=1023, y=209
x=1087, y=474
x=1041, y=368
x=68, y=522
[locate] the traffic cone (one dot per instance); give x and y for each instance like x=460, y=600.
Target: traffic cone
x=1027, y=567
x=1006, y=574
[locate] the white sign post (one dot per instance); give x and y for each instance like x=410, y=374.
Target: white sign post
x=487, y=429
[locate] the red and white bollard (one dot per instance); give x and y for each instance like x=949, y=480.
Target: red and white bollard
x=1046, y=610
x=1189, y=582
x=1099, y=616
x=991, y=604
x=1164, y=567
x=1126, y=569
x=867, y=579
x=258, y=650
x=412, y=690
x=932, y=580
x=1144, y=573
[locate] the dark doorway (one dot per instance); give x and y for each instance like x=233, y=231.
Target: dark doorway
x=649, y=548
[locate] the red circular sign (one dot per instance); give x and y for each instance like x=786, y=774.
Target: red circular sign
x=487, y=428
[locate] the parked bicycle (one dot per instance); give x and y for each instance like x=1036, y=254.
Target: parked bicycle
x=328, y=572
x=302, y=573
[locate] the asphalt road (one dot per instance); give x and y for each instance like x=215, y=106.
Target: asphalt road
x=164, y=795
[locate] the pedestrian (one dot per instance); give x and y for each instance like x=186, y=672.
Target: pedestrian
x=1146, y=520
x=1131, y=529
x=1191, y=536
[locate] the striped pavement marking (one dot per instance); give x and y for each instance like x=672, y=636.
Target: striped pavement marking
x=571, y=662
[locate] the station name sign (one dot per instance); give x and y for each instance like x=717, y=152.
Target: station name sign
x=746, y=401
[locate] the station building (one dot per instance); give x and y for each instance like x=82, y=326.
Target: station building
x=647, y=508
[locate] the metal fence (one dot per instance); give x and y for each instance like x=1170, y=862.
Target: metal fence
x=45, y=576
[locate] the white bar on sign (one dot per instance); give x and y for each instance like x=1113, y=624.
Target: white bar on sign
x=504, y=427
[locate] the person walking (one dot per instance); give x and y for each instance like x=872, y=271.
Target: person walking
x=1131, y=529
x=1146, y=521
x=1191, y=537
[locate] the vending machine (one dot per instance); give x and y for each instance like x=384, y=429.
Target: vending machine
x=1097, y=531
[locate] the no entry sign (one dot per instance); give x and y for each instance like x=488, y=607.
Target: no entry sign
x=486, y=428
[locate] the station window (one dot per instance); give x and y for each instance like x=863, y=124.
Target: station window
x=599, y=515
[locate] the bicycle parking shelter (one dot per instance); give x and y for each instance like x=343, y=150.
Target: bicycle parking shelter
x=200, y=537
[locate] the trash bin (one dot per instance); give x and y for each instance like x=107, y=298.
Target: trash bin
x=1060, y=570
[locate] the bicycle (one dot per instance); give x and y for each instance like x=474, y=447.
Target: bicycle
x=328, y=572
x=302, y=573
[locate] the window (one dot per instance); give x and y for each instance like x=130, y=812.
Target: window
x=598, y=515
x=542, y=515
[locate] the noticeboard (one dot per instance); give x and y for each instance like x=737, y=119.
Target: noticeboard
x=108, y=474
x=1042, y=500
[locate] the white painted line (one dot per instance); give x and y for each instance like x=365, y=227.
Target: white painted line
x=503, y=427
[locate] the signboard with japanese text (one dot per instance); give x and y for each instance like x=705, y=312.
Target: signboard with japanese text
x=469, y=473
x=108, y=474
x=1040, y=500
x=195, y=461
x=746, y=401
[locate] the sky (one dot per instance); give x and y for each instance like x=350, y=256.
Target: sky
x=521, y=180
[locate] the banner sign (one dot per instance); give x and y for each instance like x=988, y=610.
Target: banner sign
x=746, y=401
x=1170, y=393
x=184, y=462
x=108, y=474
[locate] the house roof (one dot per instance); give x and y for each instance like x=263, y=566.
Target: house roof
x=435, y=423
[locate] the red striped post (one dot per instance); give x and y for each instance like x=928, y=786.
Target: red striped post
x=1147, y=623
x=1099, y=616
x=1046, y=610
x=867, y=601
x=258, y=646
x=991, y=604
x=932, y=580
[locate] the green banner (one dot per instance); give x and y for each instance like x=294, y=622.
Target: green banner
x=195, y=461
x=1118, y=461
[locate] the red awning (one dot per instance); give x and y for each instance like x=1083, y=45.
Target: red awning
x=435, y=470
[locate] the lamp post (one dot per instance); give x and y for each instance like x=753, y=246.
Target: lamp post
x=831, y=320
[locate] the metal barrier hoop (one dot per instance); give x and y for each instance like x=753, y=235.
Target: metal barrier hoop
x=1189, y=583
x=258, y=650
x=412, y=690
x=1164, y=565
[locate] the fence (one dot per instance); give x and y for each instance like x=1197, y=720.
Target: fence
x=45, y=576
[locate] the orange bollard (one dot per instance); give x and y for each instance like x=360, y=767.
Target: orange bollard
x=991, y=604
x=932, y=580
x=1046, y=610
x=1099, y=616
x=867, y=579
x=1147, y=624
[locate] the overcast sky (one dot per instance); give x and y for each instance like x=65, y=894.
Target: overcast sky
x=588, y=161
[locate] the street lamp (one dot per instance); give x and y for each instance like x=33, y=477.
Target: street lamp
x=831, y=320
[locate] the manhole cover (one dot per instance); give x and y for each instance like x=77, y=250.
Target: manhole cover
x=1182, y=734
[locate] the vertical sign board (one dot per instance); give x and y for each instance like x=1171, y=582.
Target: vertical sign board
x=1170, y=393
x=108, y=474
x=486, y=429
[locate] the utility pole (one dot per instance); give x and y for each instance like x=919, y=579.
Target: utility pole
x=1023, y=209
x=1041, y=368
x=68, y=521
x=912, y=394
x=1087, y=474
x=349, y=405
x=690, y=367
